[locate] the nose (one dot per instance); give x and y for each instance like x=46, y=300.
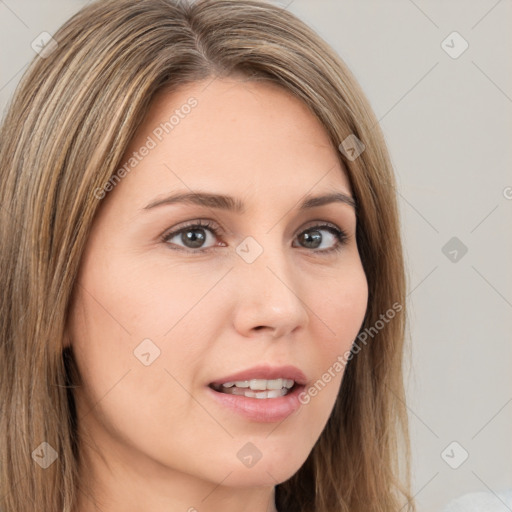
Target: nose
x=268, y=296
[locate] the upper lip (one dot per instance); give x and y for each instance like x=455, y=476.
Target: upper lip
x=265, y=372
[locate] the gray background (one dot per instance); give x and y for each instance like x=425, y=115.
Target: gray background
x=448, y=126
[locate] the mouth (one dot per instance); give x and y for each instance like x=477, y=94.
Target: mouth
x=258, y=388
x=263, y=393
x=258, y=405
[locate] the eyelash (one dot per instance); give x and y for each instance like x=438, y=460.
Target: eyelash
x=339, y=233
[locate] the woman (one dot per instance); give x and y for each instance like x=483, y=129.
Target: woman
x=202, y=276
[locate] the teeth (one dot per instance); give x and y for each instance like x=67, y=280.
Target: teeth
x=288, y=383
x=272, y=393
x=261, y=384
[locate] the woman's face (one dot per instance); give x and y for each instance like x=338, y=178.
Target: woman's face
x=164, y=307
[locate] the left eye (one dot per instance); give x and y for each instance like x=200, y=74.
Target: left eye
x=193, y=237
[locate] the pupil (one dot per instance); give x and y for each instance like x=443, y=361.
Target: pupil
x=191, y=236
x=316, y=237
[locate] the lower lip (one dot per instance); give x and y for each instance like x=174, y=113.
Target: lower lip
x=263, y=410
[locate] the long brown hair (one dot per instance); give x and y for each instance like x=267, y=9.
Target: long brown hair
x=64, y=134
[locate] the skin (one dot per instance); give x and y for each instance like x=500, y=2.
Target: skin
x=152, y=438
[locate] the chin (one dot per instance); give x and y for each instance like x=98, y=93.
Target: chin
x=257, y=476
x=268, y=466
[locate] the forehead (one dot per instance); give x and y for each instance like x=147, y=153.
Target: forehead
x=227, y=135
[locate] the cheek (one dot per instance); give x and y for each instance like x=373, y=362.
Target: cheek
x=133, y=325
x=135, y=382
x=340, y=305
x=136, y=340
x=337, y=313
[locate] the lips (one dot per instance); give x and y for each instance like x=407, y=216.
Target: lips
x=264, y=372
x=258, y=408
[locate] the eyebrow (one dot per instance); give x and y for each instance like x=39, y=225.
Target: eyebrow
x=236, y=205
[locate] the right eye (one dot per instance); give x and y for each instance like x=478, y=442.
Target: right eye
x=192, y=236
